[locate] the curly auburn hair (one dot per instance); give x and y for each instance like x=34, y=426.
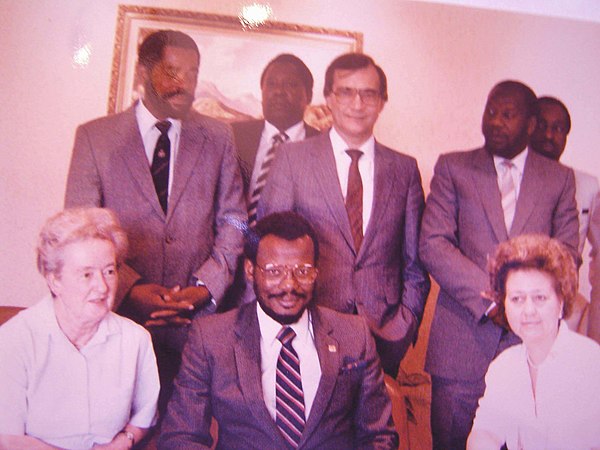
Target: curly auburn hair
x=533, y=252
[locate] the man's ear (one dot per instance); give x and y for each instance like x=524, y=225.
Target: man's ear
x=143, y=72
x=249, y=270
x=531, y=126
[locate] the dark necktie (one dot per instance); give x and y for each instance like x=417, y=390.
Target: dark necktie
x=288, y=386
x=160, y=164
x=354, y=198
x=278, y=139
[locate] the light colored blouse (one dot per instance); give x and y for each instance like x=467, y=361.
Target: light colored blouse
x=74, y=398
x=565, y=413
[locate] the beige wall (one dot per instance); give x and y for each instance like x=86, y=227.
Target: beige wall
x=441, y=61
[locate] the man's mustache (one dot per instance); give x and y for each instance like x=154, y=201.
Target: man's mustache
x=178, y=92
x=283, y=294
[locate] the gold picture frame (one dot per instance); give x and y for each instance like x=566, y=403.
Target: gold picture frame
x=232, y=56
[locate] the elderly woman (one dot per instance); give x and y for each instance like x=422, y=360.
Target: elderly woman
x=545, y=392
x=72, y=373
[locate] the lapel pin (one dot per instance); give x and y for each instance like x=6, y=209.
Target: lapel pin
x=332, y=348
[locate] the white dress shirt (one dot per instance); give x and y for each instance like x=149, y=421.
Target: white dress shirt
x=516, y=171
x=564, y=412
x=295, y=133
x=73, y=398
x=303, y=343
x=366, y=167
x=150, y=134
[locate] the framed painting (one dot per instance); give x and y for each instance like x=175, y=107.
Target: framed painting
x=233, y=56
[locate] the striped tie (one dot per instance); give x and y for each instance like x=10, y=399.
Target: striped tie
x=354, y=199
x=160, y=164
x=288, y=385
x=508, y=190
x=278, y=139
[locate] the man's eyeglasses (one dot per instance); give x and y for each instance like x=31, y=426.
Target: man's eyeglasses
x=346, y=95
x=303, y=273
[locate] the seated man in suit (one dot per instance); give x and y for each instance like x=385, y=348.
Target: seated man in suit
x=280, y=372
x=286, y=84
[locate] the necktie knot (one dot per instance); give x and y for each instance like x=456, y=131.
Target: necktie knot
x=354, y=154
x=163, y=126
x=286, y=335
x=280, y=138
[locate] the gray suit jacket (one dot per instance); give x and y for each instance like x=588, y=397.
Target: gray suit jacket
x=462, y=224
x=221, y=377
x=247, y=136
x=384, y=282
x=200, y=236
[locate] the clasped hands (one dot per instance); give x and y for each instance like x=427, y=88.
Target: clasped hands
x=159, y=306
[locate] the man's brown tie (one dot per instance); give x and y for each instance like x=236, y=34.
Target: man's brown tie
x=354, y=198
x=160, y=164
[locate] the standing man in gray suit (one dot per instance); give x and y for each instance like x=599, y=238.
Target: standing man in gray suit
x=365, y=201
x=172, y=178
x=550, y=139
x=280, y=372
x=287, y=87
x=478, y=199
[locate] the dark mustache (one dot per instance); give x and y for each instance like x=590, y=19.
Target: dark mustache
x=283, y=294
x=178, y=92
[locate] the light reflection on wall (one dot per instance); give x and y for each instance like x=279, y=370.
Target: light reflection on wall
x=255, y=14
x=81, y=56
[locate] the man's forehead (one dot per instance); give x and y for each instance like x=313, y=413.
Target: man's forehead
x=342, y=75
x=271, y=246
x=550, y=112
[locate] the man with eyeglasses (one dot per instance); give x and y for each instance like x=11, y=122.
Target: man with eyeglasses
x=280, y=372
x=549, y=139
x=365, y=201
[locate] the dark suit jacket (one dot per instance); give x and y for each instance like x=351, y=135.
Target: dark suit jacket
x=200, y=236
x=462, y=224
x=384, y=282
x=247, y=136
x=221, y=377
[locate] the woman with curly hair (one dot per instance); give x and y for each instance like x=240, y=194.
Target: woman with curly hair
x=545, y=392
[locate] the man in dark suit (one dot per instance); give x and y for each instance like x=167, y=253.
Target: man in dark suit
x=172, y=177
x=366, y=211
x=478, y=199
x=236, y=369
x=286, y=85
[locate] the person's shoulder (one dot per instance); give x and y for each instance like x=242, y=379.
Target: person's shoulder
x=128, y=327
x=463, y=157
x=582, y=346
x=351, y=324
x=585, y=179
x=210, y=126
x=110, y=120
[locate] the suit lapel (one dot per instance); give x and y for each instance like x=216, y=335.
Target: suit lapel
x=191, y=148
x=325, y=172
x=485, y=182
x=532, y=184
x=384, y=184
x=248, y=364
x=135, y=158
x=328, y=351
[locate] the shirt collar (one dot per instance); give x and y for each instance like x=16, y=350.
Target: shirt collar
x=295, y=133
x=340, y=146
x=146, y=121
x=269, y=327
x=518, y=161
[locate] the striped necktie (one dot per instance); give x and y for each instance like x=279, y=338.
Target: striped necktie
x=278, y=139
x=288, y=386
x=160, y=164
x=354, y=198
x=508, y=190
